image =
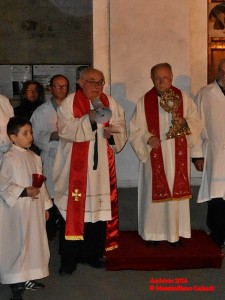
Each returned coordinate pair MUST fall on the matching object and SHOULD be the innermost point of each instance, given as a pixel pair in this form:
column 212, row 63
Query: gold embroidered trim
column 74, row 238
column 111, row 248
column 173, row 199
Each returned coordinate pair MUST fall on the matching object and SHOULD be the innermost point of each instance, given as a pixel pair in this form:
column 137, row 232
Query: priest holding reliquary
column 163, row 129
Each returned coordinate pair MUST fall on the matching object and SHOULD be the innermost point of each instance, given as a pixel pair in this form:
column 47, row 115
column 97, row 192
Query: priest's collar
column 54, row 104
column 20, row 148
column 221, row 87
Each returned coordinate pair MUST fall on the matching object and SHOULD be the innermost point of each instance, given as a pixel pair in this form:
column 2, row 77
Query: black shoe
column 98, row 264
column 222, row 246
column 33, row 285
column 152, row 243
column 66, row 272
column 17, row 290
column 218, row 241
column 176, row 244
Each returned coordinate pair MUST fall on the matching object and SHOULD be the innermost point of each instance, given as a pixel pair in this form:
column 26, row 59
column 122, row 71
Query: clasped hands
column 199, row 164
column 33, row 192
column 178, row 122
column 54, row 136
column 154, row 142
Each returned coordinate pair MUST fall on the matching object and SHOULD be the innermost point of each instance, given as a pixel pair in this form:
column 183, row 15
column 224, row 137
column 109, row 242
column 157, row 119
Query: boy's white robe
column 211, row 105
column 171, row 219
column 24, row 251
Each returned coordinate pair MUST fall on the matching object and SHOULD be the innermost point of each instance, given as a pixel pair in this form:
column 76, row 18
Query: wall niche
column 216, row 36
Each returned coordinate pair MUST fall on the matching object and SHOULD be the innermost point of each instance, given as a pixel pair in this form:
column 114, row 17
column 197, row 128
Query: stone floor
column 98, row 284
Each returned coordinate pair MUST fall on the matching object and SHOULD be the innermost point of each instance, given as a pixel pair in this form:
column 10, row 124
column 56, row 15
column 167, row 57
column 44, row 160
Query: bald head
column 91, row 82
column 162, row 77
column 85, row 73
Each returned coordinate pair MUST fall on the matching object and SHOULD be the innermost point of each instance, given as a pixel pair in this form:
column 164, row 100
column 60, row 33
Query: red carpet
column 134, row 254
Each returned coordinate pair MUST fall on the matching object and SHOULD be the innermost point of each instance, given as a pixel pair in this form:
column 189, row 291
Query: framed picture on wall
column 216, row 19
column 216, row 55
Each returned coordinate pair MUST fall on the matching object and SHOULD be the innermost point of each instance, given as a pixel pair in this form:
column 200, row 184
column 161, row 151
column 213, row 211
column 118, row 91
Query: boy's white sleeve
column 9, row 192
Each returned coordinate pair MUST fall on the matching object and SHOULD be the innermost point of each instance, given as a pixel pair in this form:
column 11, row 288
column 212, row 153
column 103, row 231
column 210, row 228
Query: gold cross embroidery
column 76, row 194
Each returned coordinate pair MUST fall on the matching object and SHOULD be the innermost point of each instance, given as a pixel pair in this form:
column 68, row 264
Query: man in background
column 210, row 153
column 45, row 132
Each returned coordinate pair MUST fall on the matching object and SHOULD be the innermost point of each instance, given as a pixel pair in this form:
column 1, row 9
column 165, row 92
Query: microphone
column 103, row 114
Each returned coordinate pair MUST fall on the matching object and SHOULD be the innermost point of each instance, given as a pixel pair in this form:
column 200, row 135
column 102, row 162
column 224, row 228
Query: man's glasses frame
column 96, row 83
column 58, row 86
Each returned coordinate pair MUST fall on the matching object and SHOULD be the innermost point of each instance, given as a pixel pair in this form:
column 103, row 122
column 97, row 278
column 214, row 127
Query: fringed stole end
column 172, row 199
column 111, row 248
column 74, row 237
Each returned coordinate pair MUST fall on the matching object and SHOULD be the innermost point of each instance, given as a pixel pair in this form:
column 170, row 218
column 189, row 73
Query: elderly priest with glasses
column 91, row 127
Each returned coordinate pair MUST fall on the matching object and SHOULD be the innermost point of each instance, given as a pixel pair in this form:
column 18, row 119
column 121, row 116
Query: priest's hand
column 92, row 115
column 154, row 142
column 33, row 192
column 107, row 132
column 199, row 164
column 54, row 136
column 179, row 122
column 46, row 215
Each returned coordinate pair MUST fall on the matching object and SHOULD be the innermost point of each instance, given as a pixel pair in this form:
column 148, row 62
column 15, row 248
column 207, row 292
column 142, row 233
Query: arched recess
column 216, row 36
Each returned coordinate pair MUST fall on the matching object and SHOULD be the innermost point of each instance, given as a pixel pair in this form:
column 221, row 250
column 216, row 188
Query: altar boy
column 24, row 251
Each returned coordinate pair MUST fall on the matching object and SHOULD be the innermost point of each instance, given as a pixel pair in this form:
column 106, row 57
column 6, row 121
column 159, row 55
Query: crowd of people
column 66, row 139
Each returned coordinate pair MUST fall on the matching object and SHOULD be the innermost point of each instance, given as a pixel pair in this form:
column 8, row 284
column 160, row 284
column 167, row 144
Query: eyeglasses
column 32, row 91
column 96, row 83
column 160, row 79
column 58, row 86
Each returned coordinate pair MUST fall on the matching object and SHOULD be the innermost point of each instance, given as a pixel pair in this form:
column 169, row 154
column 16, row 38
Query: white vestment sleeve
column 193, row 119
column 118, row 125
column 73, row 129
column 9, row 192
column 6, row 112
column 139, row 133
column 197, row 150
column 41, row 137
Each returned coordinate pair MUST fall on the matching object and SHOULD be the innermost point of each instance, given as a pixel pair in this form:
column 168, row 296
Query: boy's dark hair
column 15, row 123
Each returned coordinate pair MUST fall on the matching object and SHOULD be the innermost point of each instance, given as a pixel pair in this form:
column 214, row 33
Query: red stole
column 160, row 187
column 78, row 180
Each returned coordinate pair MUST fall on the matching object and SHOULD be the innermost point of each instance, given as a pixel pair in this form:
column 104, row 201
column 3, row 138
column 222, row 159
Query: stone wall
column 46, row 32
